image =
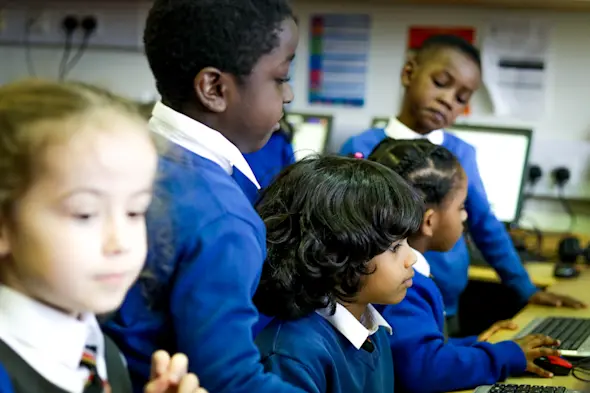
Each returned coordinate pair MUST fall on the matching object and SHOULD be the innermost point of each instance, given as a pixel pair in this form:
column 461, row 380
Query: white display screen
column 501, row 159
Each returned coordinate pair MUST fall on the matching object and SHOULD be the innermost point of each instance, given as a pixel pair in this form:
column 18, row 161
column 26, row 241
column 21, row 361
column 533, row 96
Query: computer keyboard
column 572, row 332
column 507, row 388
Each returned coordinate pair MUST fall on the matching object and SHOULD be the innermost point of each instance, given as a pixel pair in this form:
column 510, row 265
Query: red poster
column 418, row 34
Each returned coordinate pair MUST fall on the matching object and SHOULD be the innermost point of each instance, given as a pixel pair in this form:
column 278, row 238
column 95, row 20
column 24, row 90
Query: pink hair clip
column 358, row 155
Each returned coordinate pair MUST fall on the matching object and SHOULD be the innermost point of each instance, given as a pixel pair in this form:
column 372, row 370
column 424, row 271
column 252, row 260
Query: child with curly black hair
column 336, row 240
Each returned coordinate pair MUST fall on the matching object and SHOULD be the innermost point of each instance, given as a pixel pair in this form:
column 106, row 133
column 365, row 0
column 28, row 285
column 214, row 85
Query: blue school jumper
column 311, row 354
column 267, row 162
column 207, row 246
column 427, row 362
column 450, row 269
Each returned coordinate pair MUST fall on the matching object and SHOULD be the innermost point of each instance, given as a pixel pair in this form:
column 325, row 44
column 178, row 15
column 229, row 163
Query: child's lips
column 438, row 115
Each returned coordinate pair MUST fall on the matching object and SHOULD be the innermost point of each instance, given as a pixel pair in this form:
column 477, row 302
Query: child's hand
column 535, row 346
column 170, row 375
column 552, row 299
column 502, row 325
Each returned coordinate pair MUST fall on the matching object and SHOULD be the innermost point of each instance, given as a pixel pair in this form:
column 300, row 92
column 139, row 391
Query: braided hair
column 431, row 169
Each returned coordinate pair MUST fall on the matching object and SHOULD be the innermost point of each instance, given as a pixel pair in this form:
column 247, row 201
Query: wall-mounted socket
column 118, row 25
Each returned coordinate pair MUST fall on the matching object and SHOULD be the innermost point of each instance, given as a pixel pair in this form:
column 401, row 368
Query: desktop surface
column 578, row 288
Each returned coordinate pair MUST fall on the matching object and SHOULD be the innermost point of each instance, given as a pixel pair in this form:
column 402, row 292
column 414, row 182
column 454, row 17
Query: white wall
column 562, row 134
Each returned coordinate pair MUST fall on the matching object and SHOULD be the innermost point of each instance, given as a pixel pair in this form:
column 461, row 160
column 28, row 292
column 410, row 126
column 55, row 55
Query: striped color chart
column 339, row 53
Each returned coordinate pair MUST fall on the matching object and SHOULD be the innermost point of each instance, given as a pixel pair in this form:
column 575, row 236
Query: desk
column 541, row 274
column 579, row 288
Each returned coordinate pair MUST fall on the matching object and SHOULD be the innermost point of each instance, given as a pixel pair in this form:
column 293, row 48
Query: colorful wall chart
column 418, row 34
column 339, row 54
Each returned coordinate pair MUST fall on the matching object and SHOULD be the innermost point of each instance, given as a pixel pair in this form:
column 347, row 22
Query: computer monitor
column 311, row 133
column 502, row 156
column 380, row 122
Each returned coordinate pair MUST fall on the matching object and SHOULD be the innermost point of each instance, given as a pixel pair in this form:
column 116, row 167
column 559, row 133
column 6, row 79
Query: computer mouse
column 566, row 270
column 554, row 364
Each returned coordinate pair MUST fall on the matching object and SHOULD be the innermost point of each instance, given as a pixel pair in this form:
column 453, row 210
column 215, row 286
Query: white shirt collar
column 397, row 130
column 51, row 342
column 421, row 266
column 350, row 327
column 199, row 139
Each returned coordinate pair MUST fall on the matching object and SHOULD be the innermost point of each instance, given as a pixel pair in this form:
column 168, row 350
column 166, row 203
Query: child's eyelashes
column 395, row 247
column 83, row 216
column 284, row 80
column 137, row 214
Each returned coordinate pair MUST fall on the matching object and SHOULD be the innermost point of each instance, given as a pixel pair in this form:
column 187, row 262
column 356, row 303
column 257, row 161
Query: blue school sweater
column 450, row 269
column 425, row 362
column 311, row 354
column 207, row 246
column 267, row 162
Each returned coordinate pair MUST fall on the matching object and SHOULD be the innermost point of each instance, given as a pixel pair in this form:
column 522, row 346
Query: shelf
column 553, row 5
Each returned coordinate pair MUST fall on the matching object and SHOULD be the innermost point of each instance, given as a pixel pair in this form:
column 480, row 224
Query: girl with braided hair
column 439, row 363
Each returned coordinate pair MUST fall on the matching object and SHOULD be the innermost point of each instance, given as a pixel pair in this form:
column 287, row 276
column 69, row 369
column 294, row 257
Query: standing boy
column 221, row 68
column 439, row 82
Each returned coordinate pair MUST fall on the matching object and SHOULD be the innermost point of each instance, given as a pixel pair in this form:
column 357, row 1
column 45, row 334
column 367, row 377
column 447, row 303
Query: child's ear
column 408, row 72
column 429, row 223
column 211, row 89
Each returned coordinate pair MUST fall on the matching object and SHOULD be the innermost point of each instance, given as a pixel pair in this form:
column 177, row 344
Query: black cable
column 70, row 24
column 89, row 27
column 581, row 370
column 568, row 209
column 28, row 54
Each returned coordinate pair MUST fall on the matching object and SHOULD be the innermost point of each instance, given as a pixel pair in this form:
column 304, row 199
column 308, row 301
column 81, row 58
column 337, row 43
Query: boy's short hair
column 326, row 218
column 182, row 37
column 449, row 41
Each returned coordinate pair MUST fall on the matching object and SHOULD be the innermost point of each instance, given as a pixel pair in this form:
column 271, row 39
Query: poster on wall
column 339, row 56
column 514, row 62
column 418, row 34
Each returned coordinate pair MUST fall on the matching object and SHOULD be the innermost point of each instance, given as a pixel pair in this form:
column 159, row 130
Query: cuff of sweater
column 513, row 356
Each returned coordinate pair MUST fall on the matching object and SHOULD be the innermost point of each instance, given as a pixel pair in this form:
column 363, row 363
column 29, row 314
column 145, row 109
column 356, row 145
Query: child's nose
column 115, row 238
column 287, row 93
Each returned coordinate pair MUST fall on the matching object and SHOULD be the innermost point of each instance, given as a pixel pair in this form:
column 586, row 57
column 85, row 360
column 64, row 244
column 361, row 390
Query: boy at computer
column 439, row 82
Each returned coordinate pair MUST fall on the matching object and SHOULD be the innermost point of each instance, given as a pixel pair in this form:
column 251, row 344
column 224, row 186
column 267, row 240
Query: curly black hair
column 450, row 41
column 431, row 169
column 326, row 218
column 182, row 37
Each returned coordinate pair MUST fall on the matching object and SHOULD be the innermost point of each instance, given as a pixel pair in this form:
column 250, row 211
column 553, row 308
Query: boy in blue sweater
column 440, row 364
column 277, row 154
column 336, row 238
column 221, row 68
column 439, row 82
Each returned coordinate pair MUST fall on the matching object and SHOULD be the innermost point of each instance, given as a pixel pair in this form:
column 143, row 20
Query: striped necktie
column 94, row 384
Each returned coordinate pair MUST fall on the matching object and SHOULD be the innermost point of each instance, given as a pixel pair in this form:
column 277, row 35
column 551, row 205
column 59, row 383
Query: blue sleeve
column 212, row 310
column 348, row 147
column 424, row 363
column 491, row 236
column 463, row 341
column 297, row 373
column 5, row 384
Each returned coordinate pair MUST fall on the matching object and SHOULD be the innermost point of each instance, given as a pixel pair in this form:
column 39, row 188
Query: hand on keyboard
column 545, row 298
column 535, row 346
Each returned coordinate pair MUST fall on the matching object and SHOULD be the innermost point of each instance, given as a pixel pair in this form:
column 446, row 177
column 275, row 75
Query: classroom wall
column 562, row 133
